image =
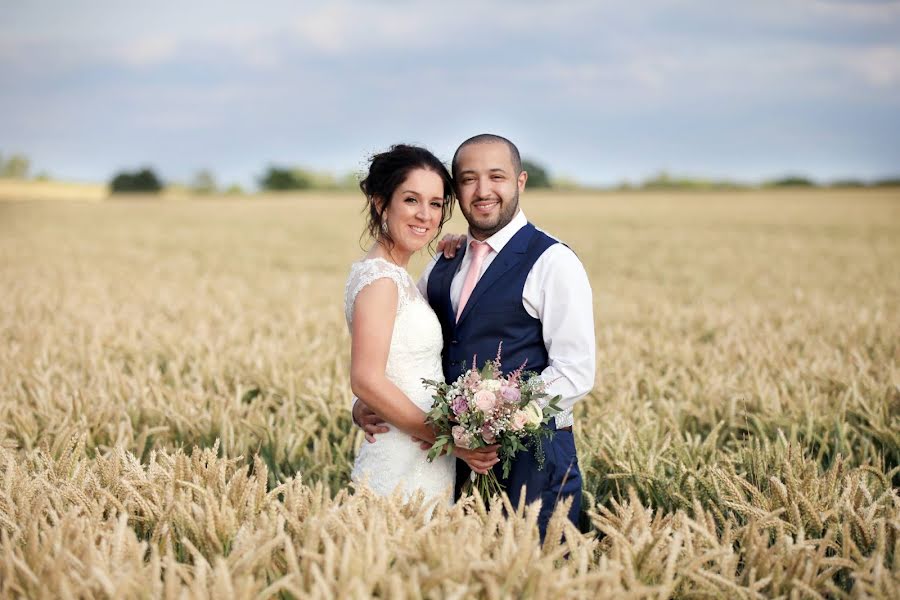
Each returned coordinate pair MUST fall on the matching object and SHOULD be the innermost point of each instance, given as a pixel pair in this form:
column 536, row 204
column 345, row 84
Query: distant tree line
column 280, row 178
column 277, row 178
column 145, row 180
column 18, row 166
column 664, row 181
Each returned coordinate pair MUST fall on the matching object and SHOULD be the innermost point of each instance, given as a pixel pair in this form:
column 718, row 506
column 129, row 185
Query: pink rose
column 518, row 421
column 461, row 437
column 459, row 405
column 485, row 401
column 510, row 393
column 488, row 434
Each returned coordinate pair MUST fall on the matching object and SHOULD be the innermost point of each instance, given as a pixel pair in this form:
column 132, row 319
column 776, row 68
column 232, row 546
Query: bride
column 396, row 337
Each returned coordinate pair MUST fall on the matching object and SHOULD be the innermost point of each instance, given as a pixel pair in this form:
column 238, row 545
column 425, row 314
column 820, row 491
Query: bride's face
column 414, row 213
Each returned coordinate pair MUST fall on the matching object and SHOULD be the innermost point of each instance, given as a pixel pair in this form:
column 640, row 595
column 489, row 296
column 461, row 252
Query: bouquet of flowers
column 484, row 407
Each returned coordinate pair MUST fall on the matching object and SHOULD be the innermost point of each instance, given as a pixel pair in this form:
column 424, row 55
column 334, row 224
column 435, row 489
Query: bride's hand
column 450, row 243
column 479, row 460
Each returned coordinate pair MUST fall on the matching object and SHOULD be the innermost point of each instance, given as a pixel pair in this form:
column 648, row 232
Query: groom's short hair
column 489, row 138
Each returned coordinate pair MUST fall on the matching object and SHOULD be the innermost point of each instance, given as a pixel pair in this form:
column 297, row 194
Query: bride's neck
column 392, row 254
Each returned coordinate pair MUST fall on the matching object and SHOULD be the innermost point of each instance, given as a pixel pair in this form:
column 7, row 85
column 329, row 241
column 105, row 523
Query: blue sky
column 597, row 91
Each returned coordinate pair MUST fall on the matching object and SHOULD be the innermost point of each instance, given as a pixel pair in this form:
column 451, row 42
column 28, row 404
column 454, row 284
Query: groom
column 515, row 284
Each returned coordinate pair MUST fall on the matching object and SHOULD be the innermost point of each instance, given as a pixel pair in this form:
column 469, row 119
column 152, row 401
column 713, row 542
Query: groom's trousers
column 560, row 477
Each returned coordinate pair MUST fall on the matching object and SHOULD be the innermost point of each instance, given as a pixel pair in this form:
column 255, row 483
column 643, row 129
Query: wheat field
column 174, row 401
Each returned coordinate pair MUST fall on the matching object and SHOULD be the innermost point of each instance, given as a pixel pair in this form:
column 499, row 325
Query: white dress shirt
column 558, row 293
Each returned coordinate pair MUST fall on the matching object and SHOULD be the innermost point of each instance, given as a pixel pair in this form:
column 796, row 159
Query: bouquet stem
column 487, row 485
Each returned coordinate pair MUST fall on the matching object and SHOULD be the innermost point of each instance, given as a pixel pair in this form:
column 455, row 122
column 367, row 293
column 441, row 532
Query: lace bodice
column 394, row 460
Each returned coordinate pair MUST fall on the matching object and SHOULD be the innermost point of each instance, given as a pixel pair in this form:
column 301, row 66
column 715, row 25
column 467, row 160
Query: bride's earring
column 384, row 227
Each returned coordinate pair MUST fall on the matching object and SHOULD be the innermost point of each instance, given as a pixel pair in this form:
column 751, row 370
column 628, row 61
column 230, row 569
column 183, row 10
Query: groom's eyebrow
column 473, row 172
column 493, row 170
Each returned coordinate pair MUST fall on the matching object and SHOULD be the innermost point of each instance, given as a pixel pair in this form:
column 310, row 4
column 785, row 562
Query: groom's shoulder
column 558, row 252
column 546, row 234
column 553, row 241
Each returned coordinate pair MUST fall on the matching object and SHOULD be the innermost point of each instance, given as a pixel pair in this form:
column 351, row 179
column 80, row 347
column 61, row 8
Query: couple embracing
column 509, row 283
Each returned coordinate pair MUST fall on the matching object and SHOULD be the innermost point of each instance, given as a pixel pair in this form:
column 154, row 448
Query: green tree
column 791, row 181
column 349, row 181
column 15, row 167
column 280, row 179
column 537, row 175
column 144, row 180
column 204, row 182
column 848, row 183
column 664, row 181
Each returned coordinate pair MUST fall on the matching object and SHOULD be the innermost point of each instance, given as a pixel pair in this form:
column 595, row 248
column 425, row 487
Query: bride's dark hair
column 389, row 169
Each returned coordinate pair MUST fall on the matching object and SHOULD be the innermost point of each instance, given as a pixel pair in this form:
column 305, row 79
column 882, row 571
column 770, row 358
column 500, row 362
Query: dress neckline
column 406, row 274
column 384, row 260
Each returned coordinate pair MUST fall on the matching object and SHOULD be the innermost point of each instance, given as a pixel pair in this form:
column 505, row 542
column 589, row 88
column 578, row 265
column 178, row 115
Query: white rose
column 534, row 413
column 491, row 385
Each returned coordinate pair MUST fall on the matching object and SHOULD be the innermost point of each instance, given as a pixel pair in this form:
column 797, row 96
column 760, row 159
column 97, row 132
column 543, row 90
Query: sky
column 600, row 92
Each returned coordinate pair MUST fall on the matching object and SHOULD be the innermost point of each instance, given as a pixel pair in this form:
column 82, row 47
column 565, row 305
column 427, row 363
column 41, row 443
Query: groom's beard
column 508, row 210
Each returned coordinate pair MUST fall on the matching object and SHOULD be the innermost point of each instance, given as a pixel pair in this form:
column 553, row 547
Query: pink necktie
column 479, row 251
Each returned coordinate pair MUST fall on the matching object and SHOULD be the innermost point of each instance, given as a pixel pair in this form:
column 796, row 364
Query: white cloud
column 878, row 66
column 870, row 12
column 148, row 50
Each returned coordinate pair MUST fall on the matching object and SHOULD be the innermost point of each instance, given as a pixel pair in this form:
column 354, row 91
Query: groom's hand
column 450, row 243
column 480, row 460
column 370, row 423
column 423, row 444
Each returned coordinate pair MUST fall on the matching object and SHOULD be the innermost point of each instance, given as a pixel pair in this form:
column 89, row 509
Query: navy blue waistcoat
column 494, row 312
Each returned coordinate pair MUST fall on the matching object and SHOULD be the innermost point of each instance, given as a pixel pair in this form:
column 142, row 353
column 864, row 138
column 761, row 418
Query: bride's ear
column 378, row 203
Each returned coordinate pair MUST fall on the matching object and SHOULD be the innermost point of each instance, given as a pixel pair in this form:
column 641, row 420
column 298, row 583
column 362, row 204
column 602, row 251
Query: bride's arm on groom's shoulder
column 450, row 243
column 372, row 326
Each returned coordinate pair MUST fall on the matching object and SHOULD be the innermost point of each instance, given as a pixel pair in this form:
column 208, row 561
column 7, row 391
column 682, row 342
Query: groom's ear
column 523, row 177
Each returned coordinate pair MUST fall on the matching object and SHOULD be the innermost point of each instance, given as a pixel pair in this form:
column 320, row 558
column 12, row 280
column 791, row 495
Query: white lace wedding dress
column 395, row 460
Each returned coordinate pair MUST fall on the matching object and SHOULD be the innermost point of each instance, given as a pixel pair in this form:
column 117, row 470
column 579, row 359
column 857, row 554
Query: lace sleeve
column 368, row 271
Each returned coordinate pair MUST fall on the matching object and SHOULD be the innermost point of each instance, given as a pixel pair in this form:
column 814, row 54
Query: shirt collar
column 502, row 237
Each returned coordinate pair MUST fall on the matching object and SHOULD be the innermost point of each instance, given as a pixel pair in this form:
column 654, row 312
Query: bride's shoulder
column 368, row 270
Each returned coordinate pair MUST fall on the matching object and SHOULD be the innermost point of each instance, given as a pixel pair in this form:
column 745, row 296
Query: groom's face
column 488, row 187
